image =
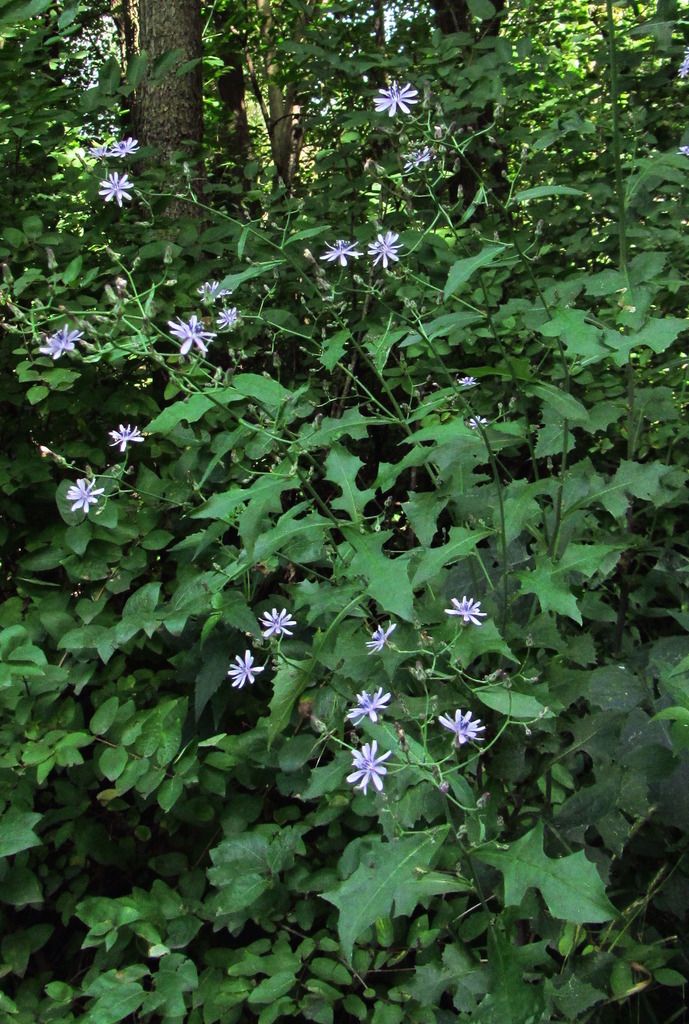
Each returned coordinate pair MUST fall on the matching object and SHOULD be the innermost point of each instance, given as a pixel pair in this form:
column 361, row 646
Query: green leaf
column 427, row 562
column 279, row 984
column 512, row 703
column 341, row 467
column 322, row 434
column 241, row 870
column 190, row 409
column 657, row 334
column 37, row 394
column 232, row 281
column 224, row 506
column 564, row 404
column 136, row 69
column 112, row 762
column 289, row 683
column 328, row 778
column 543, row 191
column 21, row 10
column 461, row 270
column 119, row 1001
column 580, row 338
column 385, row 883
column 571, row 886
column 143, row 602
column 550, row 581
column 104, row 716
column 333, row 348
column 482, row 9
column 264, row 389
column 422, row 511
column 387, row 578
column 17, row 831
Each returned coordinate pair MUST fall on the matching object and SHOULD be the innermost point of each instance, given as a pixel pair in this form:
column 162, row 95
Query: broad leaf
column 571, row 886
column 385, row 884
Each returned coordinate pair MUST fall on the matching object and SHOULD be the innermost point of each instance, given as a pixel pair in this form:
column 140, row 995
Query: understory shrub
column 345, row 673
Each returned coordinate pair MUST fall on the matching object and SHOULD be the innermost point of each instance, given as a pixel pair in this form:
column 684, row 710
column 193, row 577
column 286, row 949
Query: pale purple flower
column 191, row 333
column 211, row 290
column 60, row 342
column 340, row 251
column 124, row 436
column 384, row 248
column 275, row 623
column 99, row 151
column 463, row 727
column 83, row 493
column 683, row 70
column 369, row 768
column 477, row 421
column 684, row 150
column 227, row 318
column 467, row 382
column 369, row 704
column 116, row 186
column 468, row 609
column 417, row 158
column 395, row 98
column 243, row 670
column 124, row 147
column 380, row 637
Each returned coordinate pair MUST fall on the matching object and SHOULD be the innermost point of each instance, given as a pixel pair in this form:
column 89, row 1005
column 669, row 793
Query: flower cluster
column 368, row 706
column 477, row 421
column 227, row 318
column 384, row 249
column 368, row 767
column 683, row 71
column 275, row 623
column 244, row 670
column 380, row 637
column 118, row 149
column 397, row 97
column 417, row 158
column 191, row 333
column 60, row 342
column 124, row 436
column 468, row 609
column 463, row 727
column 83, row 494
column 115, row 187
column 211, row 290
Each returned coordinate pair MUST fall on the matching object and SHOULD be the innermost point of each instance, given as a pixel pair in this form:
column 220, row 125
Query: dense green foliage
column 175, row 849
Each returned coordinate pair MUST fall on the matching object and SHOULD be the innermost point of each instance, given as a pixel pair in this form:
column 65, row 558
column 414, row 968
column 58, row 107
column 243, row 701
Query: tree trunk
column 233, row 132
column 166, row 113
column 281, row 112
column 454, row 16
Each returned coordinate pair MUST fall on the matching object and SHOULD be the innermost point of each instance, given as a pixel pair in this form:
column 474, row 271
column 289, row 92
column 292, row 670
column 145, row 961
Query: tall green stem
column 616, row 146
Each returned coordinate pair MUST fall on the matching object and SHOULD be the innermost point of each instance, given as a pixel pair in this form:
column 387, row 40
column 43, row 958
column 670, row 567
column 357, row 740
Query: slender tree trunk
column 233, row 134
column 284, row 129
column 279, row 107
column 454, row 16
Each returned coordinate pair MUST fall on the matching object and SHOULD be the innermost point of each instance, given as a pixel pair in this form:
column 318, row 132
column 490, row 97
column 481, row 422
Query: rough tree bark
column 167, row 113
